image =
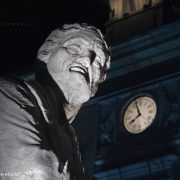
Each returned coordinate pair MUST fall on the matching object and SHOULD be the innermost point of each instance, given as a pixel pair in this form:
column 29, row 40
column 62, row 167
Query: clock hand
column 139, row 113
column 138, row 110
column 130, row 122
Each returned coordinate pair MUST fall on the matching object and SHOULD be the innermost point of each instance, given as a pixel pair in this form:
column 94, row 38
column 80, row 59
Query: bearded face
column 76, row 67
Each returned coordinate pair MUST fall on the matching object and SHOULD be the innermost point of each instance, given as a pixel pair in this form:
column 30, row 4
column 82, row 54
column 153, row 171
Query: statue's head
column 77, row 58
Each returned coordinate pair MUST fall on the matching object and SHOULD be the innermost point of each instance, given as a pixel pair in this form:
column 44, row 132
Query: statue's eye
column 97, row 62
column 73, row 49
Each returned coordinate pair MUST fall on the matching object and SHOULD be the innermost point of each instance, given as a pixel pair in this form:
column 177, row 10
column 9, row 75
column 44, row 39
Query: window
column 121, row 8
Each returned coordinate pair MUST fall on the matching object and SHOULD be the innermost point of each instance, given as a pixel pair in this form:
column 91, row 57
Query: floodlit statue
column 37, row 140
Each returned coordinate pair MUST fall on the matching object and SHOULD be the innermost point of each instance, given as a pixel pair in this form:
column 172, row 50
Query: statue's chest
column 44, row 165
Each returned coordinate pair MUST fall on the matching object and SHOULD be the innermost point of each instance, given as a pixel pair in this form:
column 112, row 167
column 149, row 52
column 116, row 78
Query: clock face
column 139, row 114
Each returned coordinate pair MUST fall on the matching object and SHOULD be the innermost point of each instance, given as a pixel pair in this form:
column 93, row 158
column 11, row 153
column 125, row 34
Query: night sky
column 25, row 24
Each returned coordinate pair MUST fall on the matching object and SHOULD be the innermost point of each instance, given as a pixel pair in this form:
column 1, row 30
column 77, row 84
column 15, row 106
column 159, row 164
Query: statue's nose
column 86, row 58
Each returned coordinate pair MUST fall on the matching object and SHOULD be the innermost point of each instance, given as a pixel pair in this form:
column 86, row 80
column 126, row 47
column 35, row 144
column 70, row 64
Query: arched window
column 121, row 8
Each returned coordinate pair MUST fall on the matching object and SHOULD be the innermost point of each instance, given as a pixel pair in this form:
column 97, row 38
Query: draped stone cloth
column 36, row 141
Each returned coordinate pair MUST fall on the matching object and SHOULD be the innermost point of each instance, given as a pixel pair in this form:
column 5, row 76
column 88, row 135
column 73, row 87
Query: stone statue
column 37, row 140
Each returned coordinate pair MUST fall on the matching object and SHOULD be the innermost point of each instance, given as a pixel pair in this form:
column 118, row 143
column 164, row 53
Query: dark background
column 145, row 59
column 24, row 25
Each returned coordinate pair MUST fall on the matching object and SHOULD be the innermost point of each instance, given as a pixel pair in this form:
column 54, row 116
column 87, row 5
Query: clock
column 139, row 114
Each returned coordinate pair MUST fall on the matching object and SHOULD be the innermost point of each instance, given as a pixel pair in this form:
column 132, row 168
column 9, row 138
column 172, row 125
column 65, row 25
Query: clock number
column 128, row 118
column 145, row 122
column 140, row 103
column 134, row 126
column 149, row 106
column 139, row 126
column 151, row 111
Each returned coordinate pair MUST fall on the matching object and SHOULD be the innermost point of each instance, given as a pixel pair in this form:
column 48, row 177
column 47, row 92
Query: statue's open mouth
column 82, row 70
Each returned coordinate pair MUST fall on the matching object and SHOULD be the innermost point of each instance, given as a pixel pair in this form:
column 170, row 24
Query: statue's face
column 76, row 67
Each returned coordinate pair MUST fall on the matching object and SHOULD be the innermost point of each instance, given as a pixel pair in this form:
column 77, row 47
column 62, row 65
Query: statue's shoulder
column 15, row 89
column 10, row 81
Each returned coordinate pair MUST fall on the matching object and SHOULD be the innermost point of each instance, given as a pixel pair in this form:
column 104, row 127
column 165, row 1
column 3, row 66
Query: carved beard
column 76, row 91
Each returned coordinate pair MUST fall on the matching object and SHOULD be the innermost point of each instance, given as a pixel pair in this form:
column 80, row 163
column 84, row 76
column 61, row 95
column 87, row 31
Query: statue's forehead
column 77, row 39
